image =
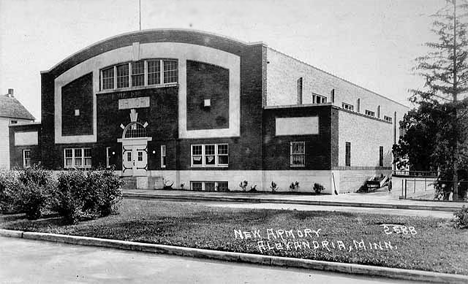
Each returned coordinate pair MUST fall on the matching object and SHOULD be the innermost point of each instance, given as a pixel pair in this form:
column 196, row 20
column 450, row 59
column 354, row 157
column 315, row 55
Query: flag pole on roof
column 139, row 13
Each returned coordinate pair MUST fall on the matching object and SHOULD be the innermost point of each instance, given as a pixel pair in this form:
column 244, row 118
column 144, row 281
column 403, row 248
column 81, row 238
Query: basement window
column 370, row 113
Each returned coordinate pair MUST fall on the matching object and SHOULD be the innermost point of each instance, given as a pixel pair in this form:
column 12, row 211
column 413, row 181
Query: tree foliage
column 436, row 130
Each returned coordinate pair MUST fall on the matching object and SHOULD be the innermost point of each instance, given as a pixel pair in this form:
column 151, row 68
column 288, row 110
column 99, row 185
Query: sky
column 372, row 43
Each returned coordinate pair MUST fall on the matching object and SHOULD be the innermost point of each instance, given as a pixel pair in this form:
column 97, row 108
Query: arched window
column 134, row 130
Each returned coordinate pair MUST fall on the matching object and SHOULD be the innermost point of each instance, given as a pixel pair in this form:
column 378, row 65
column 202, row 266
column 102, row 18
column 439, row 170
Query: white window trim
column 24, row 158
column 203, row 156
column 369, row 113
column 83, row 159
column 315, row 97
column 291, row 154
column 347, row 106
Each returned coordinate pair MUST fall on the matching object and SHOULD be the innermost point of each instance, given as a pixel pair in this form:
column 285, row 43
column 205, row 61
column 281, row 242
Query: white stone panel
column 26, row 138
column 297, row 125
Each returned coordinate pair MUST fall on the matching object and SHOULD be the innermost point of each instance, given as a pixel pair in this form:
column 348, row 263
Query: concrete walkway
column 378, row 199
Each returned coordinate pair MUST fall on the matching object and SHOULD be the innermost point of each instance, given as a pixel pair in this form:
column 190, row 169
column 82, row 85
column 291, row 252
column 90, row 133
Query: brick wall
column 276, row 149
column 78, row 96
column 16, row 152
column 206, row 81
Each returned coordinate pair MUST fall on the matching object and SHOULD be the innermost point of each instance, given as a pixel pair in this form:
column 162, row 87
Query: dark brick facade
column 318, row 148
column 78, row 96
column 206, row 81
column 16, row 152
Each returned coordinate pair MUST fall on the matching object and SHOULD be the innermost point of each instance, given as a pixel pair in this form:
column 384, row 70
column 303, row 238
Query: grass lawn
column 393, row 241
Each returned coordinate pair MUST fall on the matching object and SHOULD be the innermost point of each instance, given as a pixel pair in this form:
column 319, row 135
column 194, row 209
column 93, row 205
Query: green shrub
column 69, row 197
column 87, row 195
column 29, row 190
column 104, row 192
column 318, row 188
column 31, row 198
column 461, row 218
column 8, row 185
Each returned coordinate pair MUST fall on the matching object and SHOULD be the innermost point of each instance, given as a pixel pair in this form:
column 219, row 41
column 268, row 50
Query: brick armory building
column 206, row 112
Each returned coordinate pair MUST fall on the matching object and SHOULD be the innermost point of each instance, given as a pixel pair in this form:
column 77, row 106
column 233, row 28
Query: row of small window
column 139, row 73
column 367, row 112
column 209, row 186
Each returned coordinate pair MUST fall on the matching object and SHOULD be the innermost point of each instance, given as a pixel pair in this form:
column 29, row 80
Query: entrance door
column 134, row 157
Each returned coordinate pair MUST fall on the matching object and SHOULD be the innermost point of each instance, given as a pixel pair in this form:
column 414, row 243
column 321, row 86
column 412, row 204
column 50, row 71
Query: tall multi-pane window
column 348, row 154
column 154, row 72
column 197, row 155
column 297, row 154
column 223, row 154
column 26, row 158
column 163, row 156
column 77, row 158
column 138, row 73
column 122, row 76
column 170, row 71
column 108, row 78
column 210, row 155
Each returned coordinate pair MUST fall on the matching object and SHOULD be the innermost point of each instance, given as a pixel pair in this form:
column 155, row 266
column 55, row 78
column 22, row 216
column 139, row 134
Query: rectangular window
column 222, row 186
column 370, row 113
column 154, row 72
column 348, row 154
column 318, row 99
column 26, row 158
column 212, row 155
column 381, row 156
column 197, row 186
column 68, row 158
column 388, row 118
column 223, row 154
column 108, row 78
column 77, row 158
column 347, row 106
column 197, row 155
column 138, row 73
column 108, row 155
column 122, row 76
column 140, row 156
column 210, row 186
column 170, row 71
column 163, row 156
column 297, row 150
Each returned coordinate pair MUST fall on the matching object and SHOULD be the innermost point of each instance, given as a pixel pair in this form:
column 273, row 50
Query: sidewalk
column 378, row 199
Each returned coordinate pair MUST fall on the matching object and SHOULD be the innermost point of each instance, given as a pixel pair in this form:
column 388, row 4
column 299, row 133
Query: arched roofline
column 151, row 35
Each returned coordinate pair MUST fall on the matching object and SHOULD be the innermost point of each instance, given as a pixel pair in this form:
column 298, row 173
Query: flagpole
column 139, row 13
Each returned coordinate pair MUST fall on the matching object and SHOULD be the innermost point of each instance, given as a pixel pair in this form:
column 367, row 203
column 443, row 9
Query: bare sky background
column 371, row 43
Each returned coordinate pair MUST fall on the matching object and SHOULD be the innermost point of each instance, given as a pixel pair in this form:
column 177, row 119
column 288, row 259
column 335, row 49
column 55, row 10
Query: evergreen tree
column 436, row 131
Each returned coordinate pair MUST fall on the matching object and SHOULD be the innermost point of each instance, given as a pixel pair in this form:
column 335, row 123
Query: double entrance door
column 134, row 157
